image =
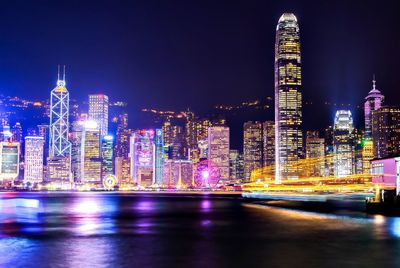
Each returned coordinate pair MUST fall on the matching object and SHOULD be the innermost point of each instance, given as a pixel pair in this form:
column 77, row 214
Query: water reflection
column 394, row 226
column 111, row 229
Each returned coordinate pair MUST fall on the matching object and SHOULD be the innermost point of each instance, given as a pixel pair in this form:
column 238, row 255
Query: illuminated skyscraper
column 98, row 111
column 315, row 152
column 190, row 130
column 386, row 131
column 159, row 156
column 218, row 150
column 90, row 155
column 107, row 156
column 142, row 153
column 122, row 172
column 33, row 160
column 177, row 174
column 9, row 162
column 288, row 100
column 59, row 120
column 268, row 143
column 174, row 138
column 367, row 155
column 373, row 102
column 123, row 136
column 252, row 147
column 236, row 165
column 76, row 148
column 343, row 144
column 59, row 161
column 17, row 132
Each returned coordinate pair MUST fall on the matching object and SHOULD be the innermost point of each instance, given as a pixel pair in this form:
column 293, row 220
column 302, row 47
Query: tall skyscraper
column 373, row 102
column 123, row 136
column 98, row 111
column 91, row 155
column 159, row 156
column 76, row 149
column 174, row 138
column 16, row 131
column 59, row 120
column 9, row 162
column 33, row 164
column 107, row 167
column 142, row 155
column 236, row 166
column 343, row 144
column 386, row 131
column 218, row 150
column 122, row 172
column 288, row 99
column 252, row 147
column 315, row 153
column 122, row 159
column 59, row 161
column 268, row 143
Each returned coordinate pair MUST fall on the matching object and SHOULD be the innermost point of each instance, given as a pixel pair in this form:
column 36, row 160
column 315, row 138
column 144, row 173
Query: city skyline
column 91, row 147
column 195, row 134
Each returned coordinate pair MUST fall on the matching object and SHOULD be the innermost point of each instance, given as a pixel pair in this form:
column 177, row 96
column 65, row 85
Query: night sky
column 179, row 54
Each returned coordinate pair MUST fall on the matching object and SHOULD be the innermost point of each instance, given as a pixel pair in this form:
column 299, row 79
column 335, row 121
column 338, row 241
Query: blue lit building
column 159, row 156
column 107, row 156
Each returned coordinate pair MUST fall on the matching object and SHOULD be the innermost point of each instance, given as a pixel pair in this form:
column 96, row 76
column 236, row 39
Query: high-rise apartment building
column 288, row 98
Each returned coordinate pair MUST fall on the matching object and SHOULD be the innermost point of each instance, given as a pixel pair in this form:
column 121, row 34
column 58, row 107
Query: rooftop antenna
column 58, row 73
column 64, row 74
column 373, row 82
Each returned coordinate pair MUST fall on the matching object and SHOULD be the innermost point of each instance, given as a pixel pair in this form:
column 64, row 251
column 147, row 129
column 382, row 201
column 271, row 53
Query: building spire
column 61, row 82
column 373, row 83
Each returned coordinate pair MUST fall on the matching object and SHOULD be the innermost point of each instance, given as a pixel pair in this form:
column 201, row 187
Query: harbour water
column 186, row 230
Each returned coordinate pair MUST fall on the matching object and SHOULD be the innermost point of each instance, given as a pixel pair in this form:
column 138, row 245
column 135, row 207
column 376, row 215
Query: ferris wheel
column 207, row 174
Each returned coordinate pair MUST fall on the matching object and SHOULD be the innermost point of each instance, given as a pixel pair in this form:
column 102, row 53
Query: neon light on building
column 373, row 102
column 142, row 153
